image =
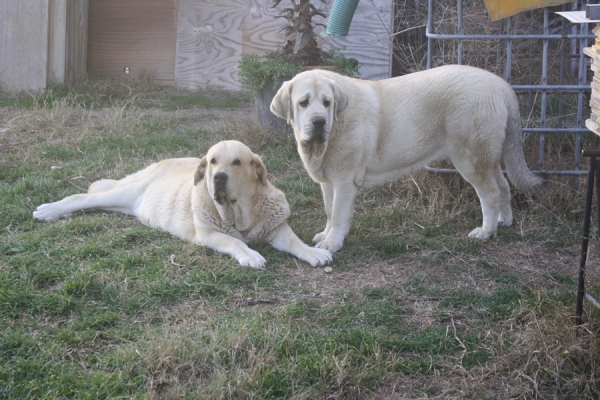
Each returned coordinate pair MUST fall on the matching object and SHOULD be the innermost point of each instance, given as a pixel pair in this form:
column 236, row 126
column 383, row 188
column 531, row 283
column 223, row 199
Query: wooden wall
column 212, row 36
column 139, row 34
column 190, row 43
column 77, row 12
column 23, row 44
column 57, row 39
column 42, row 42
column 67, row 41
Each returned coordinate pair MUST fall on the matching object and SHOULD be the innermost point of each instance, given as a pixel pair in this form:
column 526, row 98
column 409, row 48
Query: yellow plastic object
column 499, row 9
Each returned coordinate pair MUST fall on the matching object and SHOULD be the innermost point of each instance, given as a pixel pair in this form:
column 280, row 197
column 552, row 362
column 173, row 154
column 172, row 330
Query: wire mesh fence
column 538, row 52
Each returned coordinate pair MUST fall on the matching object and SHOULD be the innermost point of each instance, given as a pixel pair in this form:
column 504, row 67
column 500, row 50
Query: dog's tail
column 514, row 159
column 102, row 185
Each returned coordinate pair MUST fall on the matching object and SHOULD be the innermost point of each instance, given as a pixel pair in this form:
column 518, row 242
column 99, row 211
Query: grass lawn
column 99, row 306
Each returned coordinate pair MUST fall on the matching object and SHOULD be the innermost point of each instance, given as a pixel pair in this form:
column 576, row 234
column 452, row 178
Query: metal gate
column 551, row 84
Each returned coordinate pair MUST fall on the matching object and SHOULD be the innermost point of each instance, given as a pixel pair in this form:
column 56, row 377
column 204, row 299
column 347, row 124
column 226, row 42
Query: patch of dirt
column 530, row 262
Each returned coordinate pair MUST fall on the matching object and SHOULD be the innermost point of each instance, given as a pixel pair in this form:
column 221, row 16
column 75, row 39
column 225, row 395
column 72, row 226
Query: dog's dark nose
column 220, row 178
column 319, row 122
column 220, row 186
column 318, row 129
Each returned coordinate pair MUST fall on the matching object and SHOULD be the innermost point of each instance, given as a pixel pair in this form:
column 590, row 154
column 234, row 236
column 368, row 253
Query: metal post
column 593, row 173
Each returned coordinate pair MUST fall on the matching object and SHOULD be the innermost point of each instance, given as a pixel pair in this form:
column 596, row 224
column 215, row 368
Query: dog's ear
column 259, row 169
column 281, row 105
column 200, row 171
column 340, row 98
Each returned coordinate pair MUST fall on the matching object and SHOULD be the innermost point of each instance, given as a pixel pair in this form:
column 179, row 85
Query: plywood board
column 209, row 38
column 213, row 35
column 138, row 34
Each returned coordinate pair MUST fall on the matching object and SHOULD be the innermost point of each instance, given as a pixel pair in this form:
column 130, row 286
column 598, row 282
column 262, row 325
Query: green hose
column 340, row 17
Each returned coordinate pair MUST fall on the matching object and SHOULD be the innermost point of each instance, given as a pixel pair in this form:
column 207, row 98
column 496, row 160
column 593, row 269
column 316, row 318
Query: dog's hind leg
column 124, row 199
column 490, row 195
column 505, row 217
column 102, row 185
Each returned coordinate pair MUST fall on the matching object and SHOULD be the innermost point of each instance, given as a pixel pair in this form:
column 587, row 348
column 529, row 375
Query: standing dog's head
column 310, row 103
column 232, row 172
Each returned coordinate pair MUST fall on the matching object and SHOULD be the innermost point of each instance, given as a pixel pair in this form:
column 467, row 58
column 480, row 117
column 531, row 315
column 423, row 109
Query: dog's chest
column 313, row 165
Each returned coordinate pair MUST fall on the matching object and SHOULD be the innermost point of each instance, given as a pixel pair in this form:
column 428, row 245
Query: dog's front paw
column 47, row 212
column 479, row 233
column 318, row 257
column 252, row 259
column 504, row 221
column 331, row 245
column 319, row 237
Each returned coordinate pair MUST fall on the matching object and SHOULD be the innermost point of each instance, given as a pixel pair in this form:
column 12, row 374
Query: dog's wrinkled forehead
column 319, row 87
column 228, row 152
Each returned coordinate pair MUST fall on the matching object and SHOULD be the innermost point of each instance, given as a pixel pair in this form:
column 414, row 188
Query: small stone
column 328, row 270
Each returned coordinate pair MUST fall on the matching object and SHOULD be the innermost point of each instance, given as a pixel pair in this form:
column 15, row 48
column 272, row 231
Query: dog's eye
column 213, row 161
column 304, row 103
column 236, row 162
column 326, row 103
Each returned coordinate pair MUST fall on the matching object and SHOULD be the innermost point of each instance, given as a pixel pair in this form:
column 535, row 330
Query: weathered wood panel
column 4, row 58
column 76, row 40
column 209, row 38
column 57, row 40
column 24, row 44
column 67, row 41
column 213, row 35
column 139, row 34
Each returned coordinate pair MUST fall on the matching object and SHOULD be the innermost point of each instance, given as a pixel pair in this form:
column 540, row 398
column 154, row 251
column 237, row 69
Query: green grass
column 99, row 306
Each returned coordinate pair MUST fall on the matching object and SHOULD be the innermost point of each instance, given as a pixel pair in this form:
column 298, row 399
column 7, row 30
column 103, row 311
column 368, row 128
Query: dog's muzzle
column 220, row 186
column 317, row 129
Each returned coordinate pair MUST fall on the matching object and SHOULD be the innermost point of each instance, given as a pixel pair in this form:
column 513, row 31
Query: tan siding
column 139, row 34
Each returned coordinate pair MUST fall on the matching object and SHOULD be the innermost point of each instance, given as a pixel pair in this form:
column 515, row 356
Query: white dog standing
column 354, row 133
column 221, row 201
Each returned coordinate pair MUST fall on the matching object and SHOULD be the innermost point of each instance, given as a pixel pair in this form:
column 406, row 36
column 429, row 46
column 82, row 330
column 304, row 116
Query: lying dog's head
column 232, row 172
column 310, row 102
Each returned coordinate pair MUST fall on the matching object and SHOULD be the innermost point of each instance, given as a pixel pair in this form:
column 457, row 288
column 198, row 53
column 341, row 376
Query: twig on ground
column 252, row 302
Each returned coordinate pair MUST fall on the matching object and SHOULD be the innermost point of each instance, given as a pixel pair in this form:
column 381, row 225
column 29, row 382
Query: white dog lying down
column 221, row 201
column 354, row 133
